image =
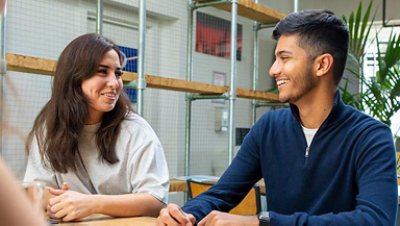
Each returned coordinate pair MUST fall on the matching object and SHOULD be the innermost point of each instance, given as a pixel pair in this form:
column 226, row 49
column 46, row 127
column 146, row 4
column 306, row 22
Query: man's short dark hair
column 319, row 32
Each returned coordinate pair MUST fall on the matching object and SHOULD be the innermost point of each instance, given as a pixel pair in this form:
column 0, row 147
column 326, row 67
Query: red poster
column 213, row 36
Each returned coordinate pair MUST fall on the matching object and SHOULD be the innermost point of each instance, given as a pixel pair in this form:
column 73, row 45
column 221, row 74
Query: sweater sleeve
column 36, row 170
column 234, row 184
column 376, row 202
column 147, row 163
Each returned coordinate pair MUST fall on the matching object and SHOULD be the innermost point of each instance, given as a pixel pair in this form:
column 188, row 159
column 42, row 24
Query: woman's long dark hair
column 60, row 122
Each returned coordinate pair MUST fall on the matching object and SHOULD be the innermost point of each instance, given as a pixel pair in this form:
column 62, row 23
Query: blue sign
column 131, row 66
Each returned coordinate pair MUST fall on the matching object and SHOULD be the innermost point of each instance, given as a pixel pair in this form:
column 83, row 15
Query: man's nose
column 274, row 70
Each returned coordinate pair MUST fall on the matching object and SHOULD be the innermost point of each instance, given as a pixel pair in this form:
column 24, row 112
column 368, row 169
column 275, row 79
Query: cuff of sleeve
column 277, row 219
column 189, row 210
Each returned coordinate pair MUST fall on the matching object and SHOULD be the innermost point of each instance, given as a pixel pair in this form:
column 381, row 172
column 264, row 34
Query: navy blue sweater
column 348, row 178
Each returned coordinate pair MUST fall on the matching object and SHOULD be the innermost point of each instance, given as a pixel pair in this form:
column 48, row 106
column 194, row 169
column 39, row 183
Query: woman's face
column 102, row 89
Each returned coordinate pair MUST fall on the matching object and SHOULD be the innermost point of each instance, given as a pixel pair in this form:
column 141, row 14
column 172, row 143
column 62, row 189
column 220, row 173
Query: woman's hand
column 70, row 205
column 47, row 195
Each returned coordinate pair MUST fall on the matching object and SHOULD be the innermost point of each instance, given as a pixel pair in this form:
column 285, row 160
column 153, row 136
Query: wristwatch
column 263, row 218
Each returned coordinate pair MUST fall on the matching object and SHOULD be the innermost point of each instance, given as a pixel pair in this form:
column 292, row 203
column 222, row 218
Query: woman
column 88, row 144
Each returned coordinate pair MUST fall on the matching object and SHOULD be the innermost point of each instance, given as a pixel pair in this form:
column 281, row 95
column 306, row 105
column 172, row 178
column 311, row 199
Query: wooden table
column 137, row 221
column 176, row 185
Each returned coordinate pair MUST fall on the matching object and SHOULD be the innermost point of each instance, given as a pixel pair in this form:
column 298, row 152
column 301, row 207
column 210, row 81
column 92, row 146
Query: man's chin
column 283, row 99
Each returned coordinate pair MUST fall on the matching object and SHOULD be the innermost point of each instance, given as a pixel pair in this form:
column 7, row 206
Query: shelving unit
column 252, row 10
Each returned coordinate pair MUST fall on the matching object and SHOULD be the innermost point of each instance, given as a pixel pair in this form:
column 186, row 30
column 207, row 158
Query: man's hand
column 221, row 218
column 173, row 215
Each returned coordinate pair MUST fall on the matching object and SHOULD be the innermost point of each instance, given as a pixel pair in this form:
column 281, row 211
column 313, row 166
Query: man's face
column 292, row 70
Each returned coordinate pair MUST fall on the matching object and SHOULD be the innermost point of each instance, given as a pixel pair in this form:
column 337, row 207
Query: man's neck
column 315, row 109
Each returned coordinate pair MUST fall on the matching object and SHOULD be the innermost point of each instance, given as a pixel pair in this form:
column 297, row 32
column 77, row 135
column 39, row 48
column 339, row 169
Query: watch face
column 263, row 216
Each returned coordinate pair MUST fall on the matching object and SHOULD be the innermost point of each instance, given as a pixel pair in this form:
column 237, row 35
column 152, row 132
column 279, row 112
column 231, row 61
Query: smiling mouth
column 110, row 95
column 281, row 82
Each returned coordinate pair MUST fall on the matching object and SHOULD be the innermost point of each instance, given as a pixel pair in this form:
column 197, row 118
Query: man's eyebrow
column 282, row 52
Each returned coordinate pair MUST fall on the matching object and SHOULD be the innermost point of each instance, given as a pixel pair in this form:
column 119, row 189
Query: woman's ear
column 323, row 64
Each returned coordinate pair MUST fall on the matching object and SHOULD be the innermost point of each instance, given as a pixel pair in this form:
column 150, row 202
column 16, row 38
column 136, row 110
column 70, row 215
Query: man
column 323, row 162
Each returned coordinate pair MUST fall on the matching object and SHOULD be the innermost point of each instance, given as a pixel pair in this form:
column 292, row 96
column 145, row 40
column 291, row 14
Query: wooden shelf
column 36, row 65
column 22, row 63
column 251, row 10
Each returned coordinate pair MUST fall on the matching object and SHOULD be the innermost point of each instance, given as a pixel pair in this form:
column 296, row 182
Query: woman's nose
column 113, row 80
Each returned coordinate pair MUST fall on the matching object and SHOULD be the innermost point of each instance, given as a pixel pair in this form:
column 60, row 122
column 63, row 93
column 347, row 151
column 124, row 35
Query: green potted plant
column 380, row 95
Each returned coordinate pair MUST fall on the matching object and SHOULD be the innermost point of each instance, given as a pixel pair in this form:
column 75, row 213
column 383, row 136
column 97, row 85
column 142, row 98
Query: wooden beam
column 255, row 94
column 251, row 10
column 21, row 63
column 159, row 82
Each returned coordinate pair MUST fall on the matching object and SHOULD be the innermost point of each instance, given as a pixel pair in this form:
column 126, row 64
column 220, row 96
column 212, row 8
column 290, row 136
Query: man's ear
column 323, row 64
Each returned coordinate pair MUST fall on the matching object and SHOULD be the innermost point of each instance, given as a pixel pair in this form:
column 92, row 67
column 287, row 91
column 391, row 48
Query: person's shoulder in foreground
column 16, row 209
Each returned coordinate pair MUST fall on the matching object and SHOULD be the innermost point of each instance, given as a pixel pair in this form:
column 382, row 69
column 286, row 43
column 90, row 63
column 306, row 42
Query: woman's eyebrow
column 105, row 66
